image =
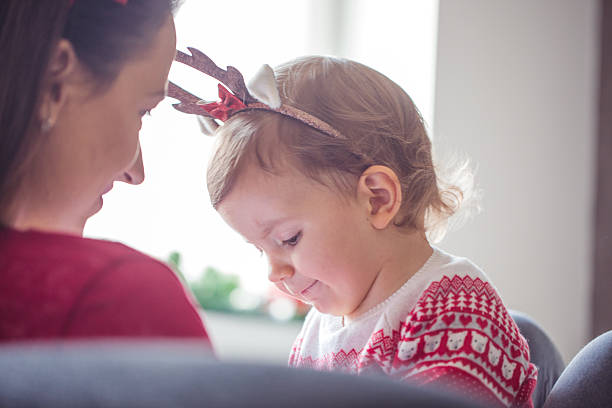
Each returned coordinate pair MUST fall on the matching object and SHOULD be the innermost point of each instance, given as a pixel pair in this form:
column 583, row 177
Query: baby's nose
column 277, row 271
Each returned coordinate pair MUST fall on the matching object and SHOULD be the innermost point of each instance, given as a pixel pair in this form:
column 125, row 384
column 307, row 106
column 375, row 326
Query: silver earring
column 46, row 125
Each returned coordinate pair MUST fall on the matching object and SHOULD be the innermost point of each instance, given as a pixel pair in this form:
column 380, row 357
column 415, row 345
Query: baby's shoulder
column 457, row 295
column 446, row 284
column 443, row 276
column 447, row 265
column 450, row 275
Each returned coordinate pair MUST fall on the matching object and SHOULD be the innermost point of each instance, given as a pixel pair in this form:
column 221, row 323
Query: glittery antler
column 230, row 77
column 188, row 101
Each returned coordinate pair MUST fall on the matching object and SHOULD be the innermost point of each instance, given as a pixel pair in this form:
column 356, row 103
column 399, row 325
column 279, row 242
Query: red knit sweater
column 56, row 286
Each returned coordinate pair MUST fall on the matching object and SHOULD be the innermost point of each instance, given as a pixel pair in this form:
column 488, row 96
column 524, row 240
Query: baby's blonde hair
column 381, row 125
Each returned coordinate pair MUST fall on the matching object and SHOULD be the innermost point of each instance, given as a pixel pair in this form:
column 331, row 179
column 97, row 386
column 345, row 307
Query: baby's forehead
column 270, row 166
column 255, row 180
column 258, row 197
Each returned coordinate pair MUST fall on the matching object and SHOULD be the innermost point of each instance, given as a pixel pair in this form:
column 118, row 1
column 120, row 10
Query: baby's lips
column 305, row 291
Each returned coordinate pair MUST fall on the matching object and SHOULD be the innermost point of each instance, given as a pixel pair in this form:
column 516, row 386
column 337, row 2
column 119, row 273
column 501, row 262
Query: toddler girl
column 326, row 167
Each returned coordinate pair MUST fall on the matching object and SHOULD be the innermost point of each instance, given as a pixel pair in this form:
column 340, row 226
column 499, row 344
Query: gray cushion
column 543, row 354
column 587, row 380
column 183, row 375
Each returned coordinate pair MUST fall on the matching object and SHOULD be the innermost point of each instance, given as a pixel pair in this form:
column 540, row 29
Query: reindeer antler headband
column 260, row 94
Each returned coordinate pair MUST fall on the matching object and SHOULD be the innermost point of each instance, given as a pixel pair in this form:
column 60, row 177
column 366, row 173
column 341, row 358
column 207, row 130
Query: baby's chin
column 326, row 309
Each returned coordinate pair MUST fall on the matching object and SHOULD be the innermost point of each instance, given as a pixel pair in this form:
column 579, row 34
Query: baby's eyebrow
column 268, row 226
column 267, row 230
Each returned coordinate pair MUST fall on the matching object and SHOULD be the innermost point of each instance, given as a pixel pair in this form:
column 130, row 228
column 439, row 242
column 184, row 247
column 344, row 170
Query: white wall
column 516, row 91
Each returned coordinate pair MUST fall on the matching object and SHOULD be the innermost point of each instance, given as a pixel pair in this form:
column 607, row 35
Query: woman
column 78, row 77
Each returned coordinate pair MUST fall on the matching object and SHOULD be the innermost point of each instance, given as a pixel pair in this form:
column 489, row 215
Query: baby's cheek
column 319, row 262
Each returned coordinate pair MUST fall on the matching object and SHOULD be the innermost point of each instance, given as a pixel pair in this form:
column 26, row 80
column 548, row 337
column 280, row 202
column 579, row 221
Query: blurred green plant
column 174, row 260
column 213, row 291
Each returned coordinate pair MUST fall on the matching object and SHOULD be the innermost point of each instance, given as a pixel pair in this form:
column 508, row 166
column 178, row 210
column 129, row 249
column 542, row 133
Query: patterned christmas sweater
column 445, row 326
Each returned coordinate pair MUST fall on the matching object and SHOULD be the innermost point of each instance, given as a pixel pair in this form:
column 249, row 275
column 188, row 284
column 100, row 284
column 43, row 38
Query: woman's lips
column 108, row 188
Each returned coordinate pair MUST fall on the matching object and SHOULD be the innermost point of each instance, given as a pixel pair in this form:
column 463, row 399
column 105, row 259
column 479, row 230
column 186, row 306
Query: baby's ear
column 381, row 192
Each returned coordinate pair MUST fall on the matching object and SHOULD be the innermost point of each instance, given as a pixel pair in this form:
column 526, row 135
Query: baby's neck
column 402, row 255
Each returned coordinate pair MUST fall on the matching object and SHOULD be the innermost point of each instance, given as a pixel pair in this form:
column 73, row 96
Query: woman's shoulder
column 82, row 265
column 51, row 264
column 65, row 250
column 89, row 287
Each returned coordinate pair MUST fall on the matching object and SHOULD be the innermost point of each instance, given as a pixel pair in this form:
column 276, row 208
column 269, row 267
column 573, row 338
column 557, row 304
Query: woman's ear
column 62, row 66
column 381, row 192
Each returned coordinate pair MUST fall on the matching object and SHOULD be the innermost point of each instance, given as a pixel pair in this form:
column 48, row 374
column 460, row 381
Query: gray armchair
column 587, row 380
column 178, row 374
column 184, row 375
column 544, row 354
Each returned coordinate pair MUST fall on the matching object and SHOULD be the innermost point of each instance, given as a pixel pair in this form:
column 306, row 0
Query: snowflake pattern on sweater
column 445, row 325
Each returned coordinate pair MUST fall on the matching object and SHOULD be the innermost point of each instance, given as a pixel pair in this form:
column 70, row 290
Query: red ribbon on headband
column 226, row 107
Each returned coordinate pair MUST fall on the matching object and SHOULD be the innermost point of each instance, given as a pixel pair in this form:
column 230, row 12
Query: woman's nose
column 277, row 271
column 135, row 174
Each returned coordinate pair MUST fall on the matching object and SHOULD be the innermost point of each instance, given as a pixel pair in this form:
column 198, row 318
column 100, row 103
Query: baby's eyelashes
column 289, row 242
column 293, row 241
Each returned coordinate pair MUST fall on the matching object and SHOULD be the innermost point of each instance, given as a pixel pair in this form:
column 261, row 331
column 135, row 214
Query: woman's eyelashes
column 152, row 104
column 293, row 241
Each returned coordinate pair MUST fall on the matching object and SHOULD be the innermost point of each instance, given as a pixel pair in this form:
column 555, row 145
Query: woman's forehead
column 149, row 71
